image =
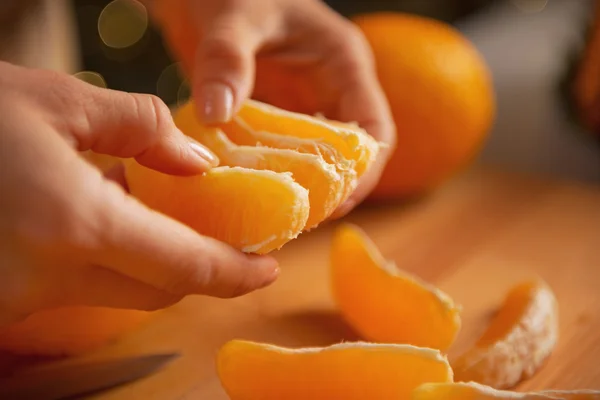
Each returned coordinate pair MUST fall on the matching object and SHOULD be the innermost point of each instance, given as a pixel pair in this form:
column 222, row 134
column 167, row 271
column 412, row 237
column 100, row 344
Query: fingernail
column 204, row 153
column 216, row 103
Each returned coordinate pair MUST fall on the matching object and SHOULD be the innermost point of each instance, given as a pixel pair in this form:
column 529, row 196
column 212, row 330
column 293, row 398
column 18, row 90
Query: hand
column 298, row 55
column 68, row 235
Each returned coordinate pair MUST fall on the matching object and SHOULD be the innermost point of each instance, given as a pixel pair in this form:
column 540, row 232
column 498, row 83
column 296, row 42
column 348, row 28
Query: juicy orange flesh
column 253, row 371
column 514, row 307
column 254, row 211
column 343, row 137
column 325, row 186
column 385, row 306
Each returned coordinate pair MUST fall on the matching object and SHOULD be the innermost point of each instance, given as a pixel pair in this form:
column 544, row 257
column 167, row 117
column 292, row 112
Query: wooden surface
column 474, row 238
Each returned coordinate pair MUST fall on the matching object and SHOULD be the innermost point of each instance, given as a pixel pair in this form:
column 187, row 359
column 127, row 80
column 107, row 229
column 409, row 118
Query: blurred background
column 533, row 48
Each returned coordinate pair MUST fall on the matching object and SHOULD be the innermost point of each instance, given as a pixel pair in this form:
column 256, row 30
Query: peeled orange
column 518, row 340
column 347, row 371
column 441, row 95
column 383, row 303
column 255, row 211
column 282, row 173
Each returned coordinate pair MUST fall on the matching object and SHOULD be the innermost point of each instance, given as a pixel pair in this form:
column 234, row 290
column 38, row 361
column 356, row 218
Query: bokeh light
column 91, row 77
column 168, row 83
column 122, row 23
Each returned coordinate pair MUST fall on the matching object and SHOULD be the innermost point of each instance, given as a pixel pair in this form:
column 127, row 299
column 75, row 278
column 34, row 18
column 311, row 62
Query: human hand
column 69, row 235
column 298, row 55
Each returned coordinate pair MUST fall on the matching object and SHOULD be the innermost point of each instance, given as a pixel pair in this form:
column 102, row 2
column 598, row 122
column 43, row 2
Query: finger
column 362, row 100
column 97, row 286
column 225, row 64
column 126, row 125
column 159, row 251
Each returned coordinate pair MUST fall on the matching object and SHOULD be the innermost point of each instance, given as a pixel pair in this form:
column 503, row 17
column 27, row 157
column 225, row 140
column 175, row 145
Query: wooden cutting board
column 475, row 238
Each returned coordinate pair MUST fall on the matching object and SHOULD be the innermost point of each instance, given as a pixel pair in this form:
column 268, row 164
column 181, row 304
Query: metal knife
column 72, row 381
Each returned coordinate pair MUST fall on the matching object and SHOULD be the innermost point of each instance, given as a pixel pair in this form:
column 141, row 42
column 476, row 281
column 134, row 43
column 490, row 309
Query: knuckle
column 353, row 47
column 193, row 278
column 153, row 111
column 221, row 48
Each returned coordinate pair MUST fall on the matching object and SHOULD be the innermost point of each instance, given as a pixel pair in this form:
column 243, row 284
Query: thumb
column 224, row 69
column 126, row 125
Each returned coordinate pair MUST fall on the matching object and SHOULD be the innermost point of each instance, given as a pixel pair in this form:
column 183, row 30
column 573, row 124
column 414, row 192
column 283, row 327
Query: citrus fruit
column 517, row 341
column 322, row 180
column 475, row 391
column 253, row 371
column 255, row 211
column 383, row 303
column 282, row 173
column 348, row 139
column 441, row 96
column 68, row 331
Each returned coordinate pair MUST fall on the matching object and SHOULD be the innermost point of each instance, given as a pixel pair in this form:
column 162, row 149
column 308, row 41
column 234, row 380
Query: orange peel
column 348, row 371
column 383, row 303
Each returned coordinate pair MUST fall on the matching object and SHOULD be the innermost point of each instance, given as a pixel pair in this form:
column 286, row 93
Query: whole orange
column 441, row 95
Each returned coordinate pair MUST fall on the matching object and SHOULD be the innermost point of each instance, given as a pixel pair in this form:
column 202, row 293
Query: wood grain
column 474, row 238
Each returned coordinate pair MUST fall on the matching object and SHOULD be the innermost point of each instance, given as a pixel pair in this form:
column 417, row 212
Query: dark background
column 139, row 68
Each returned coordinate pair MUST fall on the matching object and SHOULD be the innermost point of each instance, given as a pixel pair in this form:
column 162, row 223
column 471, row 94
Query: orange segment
column 242, row 134
column 348, row 371
column 350, row 140
column 254, row 211
column 325, row 185
column 383, row 303
column 472, row 391
column 518, row 340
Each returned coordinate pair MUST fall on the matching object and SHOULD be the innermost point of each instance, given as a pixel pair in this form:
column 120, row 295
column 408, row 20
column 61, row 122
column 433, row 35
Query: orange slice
column 241, row 133
column 325, row 186
column 350, row 140
column 254, row 211
column 475, row 391
column 348, row 371
column 518, row 340
column 383, row 303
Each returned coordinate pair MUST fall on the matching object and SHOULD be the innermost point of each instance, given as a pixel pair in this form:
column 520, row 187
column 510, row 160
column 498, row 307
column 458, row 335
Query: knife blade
column 73, row 380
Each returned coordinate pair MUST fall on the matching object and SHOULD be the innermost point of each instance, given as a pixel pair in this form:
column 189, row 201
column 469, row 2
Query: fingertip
column 204, row 154
column 344, row 209
column 215, row 102
column 268, row 266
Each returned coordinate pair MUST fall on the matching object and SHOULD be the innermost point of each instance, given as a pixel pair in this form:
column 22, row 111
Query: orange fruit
column 325, row 186
column 255, row 211
column 347, row 371
column 348, row 139
column 441, row 96
column 68, row 331
column 282, row 173
column 475, row 391
column 383, row 303
column 518, row 340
